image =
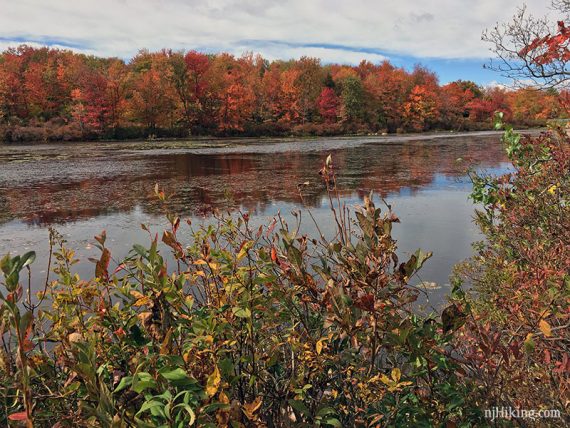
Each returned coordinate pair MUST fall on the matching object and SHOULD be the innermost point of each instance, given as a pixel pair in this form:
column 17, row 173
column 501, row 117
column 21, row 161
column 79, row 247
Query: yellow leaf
column 223, row 398
column 213, row 382
column 396, row 374
column 319, row 347
column 143, row 301
column 145, row 317
column 545, row 328
column 200, row 262
column 137, row 294
column 386, row 380
column 250, row 409
column 189, row 301
column 244, row 249
column 241, row 254
column 552, row 189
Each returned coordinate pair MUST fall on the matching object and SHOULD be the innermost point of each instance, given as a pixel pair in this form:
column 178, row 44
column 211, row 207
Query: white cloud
column 431, row 28
column 494, row 84
column 4, row 45
column 273, row 51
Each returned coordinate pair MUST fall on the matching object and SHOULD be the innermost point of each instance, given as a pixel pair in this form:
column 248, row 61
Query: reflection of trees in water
column 253, row 181
column 5, row 213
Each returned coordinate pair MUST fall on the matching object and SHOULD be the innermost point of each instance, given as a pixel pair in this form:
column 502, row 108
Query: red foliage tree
column 197, row 65
column 328, row 104
column 90, row 104
column 454, row 98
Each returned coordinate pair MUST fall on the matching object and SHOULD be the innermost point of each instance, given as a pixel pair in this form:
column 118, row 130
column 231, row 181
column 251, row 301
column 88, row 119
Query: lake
column 83, row 188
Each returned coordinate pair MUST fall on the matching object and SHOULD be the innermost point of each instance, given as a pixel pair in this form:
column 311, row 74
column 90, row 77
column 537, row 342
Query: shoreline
column 202, row 138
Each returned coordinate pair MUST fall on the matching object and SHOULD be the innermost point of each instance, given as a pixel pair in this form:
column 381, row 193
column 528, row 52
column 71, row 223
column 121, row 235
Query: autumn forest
column 51, row 95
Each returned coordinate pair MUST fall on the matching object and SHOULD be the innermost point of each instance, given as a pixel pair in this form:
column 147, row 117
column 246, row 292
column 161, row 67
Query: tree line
column 53, row 94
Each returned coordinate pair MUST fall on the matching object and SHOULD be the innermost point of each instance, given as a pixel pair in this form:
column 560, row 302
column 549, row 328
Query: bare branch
column 519, row 57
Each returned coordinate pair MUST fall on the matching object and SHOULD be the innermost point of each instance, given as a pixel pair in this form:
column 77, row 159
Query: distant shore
column 150, row 139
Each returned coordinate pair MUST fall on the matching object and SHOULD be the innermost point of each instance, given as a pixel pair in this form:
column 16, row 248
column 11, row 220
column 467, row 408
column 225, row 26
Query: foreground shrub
column 517, row 338
column 244, row 327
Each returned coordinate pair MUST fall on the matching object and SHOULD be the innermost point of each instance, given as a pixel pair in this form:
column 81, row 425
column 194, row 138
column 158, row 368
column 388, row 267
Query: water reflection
column 54, row 191
column 84, row 188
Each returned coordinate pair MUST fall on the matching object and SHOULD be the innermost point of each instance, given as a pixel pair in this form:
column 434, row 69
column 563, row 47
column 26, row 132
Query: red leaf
column 101, row 238
column 103, row 265
column 21, row 416
column 366, row 302
column 120, row 268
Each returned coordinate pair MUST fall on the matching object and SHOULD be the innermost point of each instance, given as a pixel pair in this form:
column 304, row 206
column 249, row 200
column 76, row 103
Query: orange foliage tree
column 180, row 93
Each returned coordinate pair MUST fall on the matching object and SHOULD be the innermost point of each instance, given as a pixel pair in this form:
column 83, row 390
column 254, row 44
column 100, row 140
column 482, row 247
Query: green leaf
column 173, row 375
column 215, row 406
column 241, row 312
column 300, row 407
column 294, row 255
column 415, row 262
column 326, row 411
column 177, row 377
column 27, row 259
column 190, row 412
column 334, row 422
column 142, row 381
column 421, row 258
column 529, row 344
column 140, row 250
column 12, row 281
column 126, row 381
column 6, row 264
column 149, row 405
column 226, row 366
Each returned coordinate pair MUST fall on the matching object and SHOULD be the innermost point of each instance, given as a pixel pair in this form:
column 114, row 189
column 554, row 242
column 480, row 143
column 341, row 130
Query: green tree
column 352, row 96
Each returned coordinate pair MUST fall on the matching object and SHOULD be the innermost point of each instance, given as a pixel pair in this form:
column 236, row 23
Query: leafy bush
column 248, row 327
column 517, row 340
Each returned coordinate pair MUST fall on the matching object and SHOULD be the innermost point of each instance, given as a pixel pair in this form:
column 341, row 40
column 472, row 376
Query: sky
column 444, row 35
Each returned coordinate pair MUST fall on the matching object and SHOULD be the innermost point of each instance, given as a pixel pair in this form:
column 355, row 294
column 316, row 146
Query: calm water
column 82, row 189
